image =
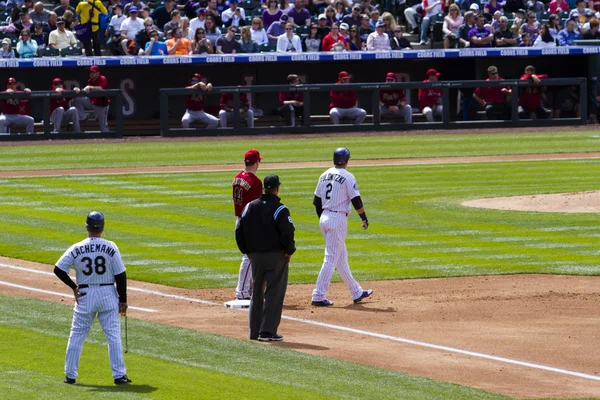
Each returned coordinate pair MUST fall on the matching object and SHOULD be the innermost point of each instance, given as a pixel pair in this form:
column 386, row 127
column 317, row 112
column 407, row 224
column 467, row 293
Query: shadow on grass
column 130, row 388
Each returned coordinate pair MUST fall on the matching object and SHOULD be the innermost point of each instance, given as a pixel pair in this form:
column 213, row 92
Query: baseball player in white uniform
column 335, row 190
column 98, row 265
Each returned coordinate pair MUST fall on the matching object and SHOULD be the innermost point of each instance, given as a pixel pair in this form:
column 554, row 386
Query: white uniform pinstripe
column 242, row 291
column 96, row 261
column 336, row 188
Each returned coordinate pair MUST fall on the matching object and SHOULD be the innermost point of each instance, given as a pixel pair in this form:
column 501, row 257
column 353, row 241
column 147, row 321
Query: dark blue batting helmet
column 341, row 156
column 95, row 220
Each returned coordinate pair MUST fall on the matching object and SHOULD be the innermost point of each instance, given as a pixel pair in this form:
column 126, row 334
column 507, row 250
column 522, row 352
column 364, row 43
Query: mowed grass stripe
column 282, row 149
column 418, row 226
column 172, row 363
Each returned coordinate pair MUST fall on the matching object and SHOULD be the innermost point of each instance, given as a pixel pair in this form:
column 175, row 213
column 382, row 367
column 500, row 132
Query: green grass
column 172, row 363
column 279, row 149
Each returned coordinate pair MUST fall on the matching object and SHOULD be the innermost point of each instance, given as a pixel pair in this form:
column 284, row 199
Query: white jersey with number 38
column 336, row 188
column 95, row 261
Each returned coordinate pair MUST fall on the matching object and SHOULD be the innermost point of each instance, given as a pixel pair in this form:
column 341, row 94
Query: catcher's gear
column 95, row 220
column 341, row 156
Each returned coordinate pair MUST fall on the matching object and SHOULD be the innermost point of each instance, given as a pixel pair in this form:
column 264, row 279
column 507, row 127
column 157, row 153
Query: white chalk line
column 359, row 332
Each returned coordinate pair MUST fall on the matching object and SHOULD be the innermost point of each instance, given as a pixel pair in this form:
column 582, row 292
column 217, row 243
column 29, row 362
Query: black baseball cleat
column 270, row 337
column 122, row 380
column 364, row 295
column 322, row 303
column 70, row 381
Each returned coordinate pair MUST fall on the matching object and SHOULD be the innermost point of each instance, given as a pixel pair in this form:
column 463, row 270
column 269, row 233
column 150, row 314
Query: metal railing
column 313, row 90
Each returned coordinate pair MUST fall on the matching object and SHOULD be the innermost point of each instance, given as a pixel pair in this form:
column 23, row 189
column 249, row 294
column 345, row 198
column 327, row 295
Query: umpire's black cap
column 95, row 220
column 271, row 182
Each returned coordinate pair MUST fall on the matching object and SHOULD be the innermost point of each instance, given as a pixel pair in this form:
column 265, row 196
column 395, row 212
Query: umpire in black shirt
column 266, row 234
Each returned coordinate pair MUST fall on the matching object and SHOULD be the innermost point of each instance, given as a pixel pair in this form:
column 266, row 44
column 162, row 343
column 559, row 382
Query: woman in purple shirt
column 271, row 14
column 492, row 6
column 531, row 26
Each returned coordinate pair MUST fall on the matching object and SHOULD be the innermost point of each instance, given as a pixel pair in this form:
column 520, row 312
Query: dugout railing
column 40, row 103
column 320, row 93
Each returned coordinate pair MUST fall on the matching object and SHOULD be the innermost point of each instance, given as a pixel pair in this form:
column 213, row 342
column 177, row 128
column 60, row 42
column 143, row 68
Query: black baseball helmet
column 341, row 155
column 95, row 220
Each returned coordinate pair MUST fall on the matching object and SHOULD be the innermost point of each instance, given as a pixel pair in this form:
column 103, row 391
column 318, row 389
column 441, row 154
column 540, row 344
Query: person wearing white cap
column 378, row 40
column 474, row 7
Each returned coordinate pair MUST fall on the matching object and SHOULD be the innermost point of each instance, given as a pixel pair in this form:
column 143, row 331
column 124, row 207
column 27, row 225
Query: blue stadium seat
column 71, row 51
column 267, row 48
column 48, row 52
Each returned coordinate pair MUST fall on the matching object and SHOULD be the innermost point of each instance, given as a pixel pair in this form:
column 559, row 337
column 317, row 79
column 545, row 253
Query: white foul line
column 342, row 328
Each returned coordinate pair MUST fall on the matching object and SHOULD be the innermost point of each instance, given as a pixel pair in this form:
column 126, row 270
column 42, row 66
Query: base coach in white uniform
column 98, row 265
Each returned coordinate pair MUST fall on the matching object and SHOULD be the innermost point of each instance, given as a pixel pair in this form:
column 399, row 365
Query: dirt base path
column 548, row 321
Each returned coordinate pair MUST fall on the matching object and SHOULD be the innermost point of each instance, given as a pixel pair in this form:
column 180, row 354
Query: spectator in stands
column 291, row 104
column 530, row 101
column 200, row 44
column 59, row 108
column 413, row 7
column 364, row 30
column 51, row 24
column 480, row 36
column 144, row 36
column 430, row 99
column 398, row 42
column 137, row 3
column 592, row 33
column 465, row 28
column 518, row 21
column 227, row 44
column 64, row 6
column 317, row 6
column 12, row 112
column 234, row 15
column 184, row 25
column 12, row 5
column 566, row 104
column 526, row 40
column 558, row 6
column 594, row 5
column 68, row 17
column 355, row 42
column 340, row 11
column 504, row 37
column 221, row 6
column 390, row 23
column 378, row 40
column 366, row 7
column 567, row 36
column 494, row 100
column 210, row 30
column 39, row 13
column 213, row 11
column 496, row 20
column 161, row 15
column 334, row 41
column 354, row 17
column 392, row 102
column 129, row 30
column 98, row 104
column 374, row 18
column 259, row 35
column 198, row 22
column 431, row 8
column 227, row 109
column 554, row 25
column 322, row 28
column 145, row 13
column 271, row 14
column 7, row 51
column 312, row 42
column 492, row 6
column 117, row 19
column 26, row 47
column 289, row 42
column 452, row 23
column 344, row 27
column 173, row 23
column 285, row 5
column 179, row 45
column 195, row 104
column 154, row 47
column 15, row 15
column 299, row 16
column 530, row 26
column 83, row 12
column 39, row 36
column 582, row 13
column 344, row 104
column 536, row 6
column 545, row 38
column 24, row 22
column 330, row 16
column 277, row 29
column 247, row 45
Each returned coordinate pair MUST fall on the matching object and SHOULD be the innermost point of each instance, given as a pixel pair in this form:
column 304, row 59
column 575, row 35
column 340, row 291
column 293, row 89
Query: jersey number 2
column 99, row 265
column 328, row 192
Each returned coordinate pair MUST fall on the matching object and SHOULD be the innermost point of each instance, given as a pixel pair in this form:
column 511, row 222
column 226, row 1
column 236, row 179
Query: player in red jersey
column 430, row 99
column 531, row 99
column 246, row 187
column 14, row 111
column 194, row 105
column 291, row 103
column 59, row 108
column 97, row 104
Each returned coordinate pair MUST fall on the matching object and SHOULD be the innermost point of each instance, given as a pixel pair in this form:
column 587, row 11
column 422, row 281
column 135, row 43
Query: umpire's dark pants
column 266, row 306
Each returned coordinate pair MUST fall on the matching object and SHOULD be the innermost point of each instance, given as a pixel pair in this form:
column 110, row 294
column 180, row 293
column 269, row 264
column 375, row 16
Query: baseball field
column 469, row 302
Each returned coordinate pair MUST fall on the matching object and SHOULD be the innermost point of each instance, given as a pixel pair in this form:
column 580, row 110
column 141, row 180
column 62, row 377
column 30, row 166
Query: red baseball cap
column 12, row 80
column 94, row 68
column 252, row 156
column 433, row 72
column 390, row 75
column 57, row 81
column 197, row 76
column 343, row 75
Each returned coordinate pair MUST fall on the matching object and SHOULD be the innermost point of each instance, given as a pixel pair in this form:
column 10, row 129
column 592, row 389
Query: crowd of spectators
column 184, row 27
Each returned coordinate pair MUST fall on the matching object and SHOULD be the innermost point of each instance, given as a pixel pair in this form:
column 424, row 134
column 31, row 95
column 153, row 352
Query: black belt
column 341, row 212
column 101, row 284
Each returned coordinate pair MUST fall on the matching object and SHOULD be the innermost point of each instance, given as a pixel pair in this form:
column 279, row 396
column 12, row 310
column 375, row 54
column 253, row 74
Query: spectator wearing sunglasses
column 227, row 44
column 201, row 44
column 289, row 42
column 259, row 35
column 155, row 47
column 26, row 47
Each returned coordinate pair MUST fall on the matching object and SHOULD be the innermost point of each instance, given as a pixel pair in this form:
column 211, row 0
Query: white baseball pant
column 225, row 115
column 72, row 115
column 190, row 116
column 242, row 291
column 431, row 113
column 404, row 112
column 410, row 13
column 355, row 113
column 101, row 301
column 7, row 120
column 333, row 227
column 84, row 103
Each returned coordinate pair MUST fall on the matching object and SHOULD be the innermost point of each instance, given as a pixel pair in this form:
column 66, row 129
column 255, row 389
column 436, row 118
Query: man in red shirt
column 334, row 41
column 291, row 103
column 227, row 109
column 343, row 103
column 97, row 104
column 392, row 102
column 59, row 108
column 13, row 110
column 194, row 105
column 431, row 98
column 246, row 188
column 530, row 101
column 494, row 99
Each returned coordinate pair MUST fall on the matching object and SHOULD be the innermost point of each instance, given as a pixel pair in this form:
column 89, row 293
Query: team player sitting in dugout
column 195, row 105
column 344, row 103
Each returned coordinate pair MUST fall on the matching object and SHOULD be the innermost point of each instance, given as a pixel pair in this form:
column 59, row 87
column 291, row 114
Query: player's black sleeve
column 357, row 203
column 63, row 276
column 318, row 205
column 121, row 280
column 239, row 237
column 286, row 231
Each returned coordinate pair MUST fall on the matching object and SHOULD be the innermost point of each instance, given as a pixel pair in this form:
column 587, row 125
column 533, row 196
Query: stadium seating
column 267, row 47
column 71, row 51
column 48, row 52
